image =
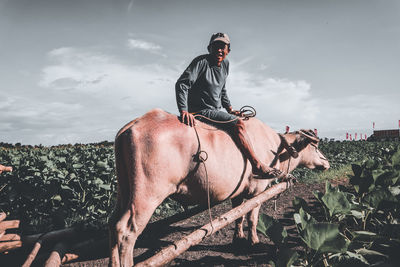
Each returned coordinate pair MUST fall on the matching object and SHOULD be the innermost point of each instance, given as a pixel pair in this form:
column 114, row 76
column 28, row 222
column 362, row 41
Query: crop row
column 57, row 187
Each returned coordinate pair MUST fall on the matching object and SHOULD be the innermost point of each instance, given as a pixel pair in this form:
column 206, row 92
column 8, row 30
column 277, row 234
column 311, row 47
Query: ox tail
column 125, row 171
column 122, row 220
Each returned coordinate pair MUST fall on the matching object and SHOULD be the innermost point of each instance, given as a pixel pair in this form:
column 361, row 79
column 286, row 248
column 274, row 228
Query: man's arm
column 225, row 100
column 226, row 103
column 182, row 88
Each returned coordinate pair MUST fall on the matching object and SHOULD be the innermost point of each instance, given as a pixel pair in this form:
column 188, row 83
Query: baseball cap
column 223, row 37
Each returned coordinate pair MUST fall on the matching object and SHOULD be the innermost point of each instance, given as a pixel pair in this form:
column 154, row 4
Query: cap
column 223, row 37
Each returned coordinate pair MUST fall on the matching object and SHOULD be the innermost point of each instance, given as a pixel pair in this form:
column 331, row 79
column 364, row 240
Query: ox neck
column 288, row 163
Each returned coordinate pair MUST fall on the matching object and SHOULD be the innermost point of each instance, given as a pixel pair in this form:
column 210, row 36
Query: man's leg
column 244, row 144
column 236, row 128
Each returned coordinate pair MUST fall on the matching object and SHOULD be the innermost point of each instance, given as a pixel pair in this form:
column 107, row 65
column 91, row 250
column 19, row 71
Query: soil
column 217, row 249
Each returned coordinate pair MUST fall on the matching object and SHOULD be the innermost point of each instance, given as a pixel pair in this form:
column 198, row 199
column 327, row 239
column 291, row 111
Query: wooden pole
column 69, row 257
column 56, row 255
column 171, row 252
column 64, row 234
column 86, row 248
column 31, row 257
column 6, row 246
column 10, row 237
column 4, row 225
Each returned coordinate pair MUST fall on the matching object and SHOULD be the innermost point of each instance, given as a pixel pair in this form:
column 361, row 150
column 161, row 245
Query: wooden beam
column 56, row 256
column 10, row 237
column 171, row 252
column 69, row 257
column 5, row 246
column 4, row 225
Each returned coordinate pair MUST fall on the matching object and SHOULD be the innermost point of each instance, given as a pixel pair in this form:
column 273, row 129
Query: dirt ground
column 218, row 250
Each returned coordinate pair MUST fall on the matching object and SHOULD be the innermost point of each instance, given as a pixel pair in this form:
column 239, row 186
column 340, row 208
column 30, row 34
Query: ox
column 156, row 158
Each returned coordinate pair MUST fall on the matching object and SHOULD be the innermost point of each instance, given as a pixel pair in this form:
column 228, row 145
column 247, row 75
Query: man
column 201, row 90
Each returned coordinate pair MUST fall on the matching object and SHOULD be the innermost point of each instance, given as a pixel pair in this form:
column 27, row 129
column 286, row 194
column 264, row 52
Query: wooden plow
column 64, row 249
column 8, row 241
column 63, row 244
column 169, row 253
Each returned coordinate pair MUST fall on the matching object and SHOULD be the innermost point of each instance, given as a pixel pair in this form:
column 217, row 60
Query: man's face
column 219, row 50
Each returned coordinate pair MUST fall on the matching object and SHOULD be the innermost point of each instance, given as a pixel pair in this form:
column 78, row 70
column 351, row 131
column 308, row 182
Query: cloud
column 30, row 119
column 109, row 92
column 86, row 96
column 278, row 101
column 143, row 45
column 130, row 5
column 94, row 94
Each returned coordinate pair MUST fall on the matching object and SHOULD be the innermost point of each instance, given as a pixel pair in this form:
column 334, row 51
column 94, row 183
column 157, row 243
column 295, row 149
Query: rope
column 202, row 159
column 246, row 112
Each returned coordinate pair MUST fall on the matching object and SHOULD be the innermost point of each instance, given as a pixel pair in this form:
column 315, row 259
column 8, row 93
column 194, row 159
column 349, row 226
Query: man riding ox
column 200, row 93
column 157, row 156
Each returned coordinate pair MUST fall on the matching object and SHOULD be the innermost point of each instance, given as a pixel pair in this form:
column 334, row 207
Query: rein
column 246, row 112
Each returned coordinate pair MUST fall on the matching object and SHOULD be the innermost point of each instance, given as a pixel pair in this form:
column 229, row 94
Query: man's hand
column 5, row 168
column 187, row 118
column 232, row 111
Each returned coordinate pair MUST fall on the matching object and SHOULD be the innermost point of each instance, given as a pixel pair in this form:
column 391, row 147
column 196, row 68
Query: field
column 67, row 186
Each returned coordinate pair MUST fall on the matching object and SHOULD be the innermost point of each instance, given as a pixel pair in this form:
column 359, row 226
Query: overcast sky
column 78, row 70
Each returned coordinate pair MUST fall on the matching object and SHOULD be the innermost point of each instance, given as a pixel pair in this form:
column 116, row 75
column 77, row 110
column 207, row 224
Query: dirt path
column 217, row 250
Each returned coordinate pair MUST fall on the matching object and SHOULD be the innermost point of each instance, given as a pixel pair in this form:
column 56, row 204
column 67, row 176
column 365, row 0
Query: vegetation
column 357, row 226
column 56, row 187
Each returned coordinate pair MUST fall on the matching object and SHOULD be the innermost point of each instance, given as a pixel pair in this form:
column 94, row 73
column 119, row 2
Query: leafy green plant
column 275, row 231
column 62, row 186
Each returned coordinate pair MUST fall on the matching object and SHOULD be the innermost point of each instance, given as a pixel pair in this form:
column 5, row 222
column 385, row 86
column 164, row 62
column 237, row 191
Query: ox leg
column 114, row 255
column 252, row 219
column 239, row 234
column 135, row 218
column 126, row 230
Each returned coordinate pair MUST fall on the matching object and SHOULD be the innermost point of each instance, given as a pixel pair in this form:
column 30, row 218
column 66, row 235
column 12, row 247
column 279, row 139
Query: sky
column 76, row 71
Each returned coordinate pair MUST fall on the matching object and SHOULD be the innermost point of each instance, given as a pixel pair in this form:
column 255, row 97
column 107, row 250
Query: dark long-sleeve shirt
column 202, row 86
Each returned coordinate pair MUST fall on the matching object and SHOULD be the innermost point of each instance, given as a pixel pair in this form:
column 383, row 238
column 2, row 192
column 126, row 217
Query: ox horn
column 310, row 135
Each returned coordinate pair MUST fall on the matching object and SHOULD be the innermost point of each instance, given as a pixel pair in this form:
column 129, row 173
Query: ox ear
column 309, row 135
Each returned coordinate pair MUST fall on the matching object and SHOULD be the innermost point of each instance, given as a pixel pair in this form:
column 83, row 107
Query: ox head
column 311, row 157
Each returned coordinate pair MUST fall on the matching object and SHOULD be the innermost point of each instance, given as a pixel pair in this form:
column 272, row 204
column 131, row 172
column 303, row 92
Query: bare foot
column 266, row 172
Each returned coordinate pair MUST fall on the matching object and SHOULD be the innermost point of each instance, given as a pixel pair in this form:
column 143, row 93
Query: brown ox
column 156, row 158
